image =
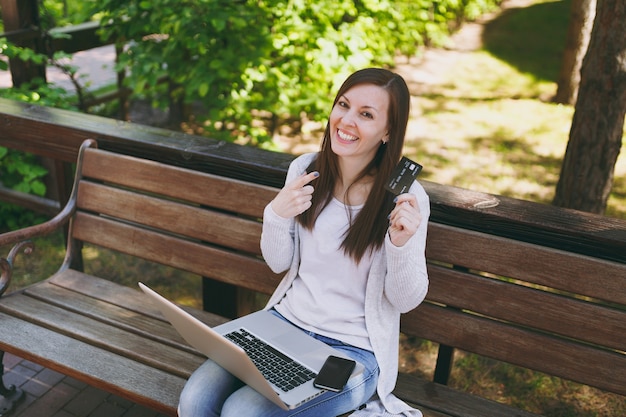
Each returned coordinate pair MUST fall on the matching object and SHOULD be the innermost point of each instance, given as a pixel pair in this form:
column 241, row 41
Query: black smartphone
column 334, row 373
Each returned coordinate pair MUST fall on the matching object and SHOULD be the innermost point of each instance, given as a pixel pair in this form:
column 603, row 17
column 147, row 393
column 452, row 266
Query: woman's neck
column 351, row 190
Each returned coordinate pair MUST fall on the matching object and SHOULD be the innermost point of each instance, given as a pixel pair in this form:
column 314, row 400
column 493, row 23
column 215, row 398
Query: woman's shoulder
column 300, row 163
column 306, row 158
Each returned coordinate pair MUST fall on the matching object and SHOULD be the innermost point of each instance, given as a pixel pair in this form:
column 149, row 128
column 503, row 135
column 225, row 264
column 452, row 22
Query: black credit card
column 403, row 176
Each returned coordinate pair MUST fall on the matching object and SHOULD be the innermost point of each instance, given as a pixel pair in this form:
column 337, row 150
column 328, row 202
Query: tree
column 582, row 13
column 16, row 17
column 598, row 123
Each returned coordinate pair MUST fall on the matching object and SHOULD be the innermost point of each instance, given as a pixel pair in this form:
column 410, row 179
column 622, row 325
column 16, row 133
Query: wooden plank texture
column 95, row 366
column 205, row 189
column 535, row 308
column 129, row 343
column 23, row 126
column 519, row 346
column 578, row 274
column 450, row 402
column 199, row 223
column 193, row 257
column 118, row 295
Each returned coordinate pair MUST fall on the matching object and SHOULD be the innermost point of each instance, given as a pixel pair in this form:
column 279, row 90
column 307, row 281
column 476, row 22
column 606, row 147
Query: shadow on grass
column 533, row 391
column 531, row 38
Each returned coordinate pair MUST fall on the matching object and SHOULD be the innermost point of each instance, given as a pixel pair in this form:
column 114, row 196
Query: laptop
column 293, row 347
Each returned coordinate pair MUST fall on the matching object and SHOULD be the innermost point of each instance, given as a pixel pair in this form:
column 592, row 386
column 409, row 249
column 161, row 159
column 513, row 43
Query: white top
column 397, row 283
column 328, row 295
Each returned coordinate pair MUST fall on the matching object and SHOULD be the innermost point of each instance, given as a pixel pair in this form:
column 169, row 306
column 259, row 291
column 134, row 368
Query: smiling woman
column 358, row 125
column 353, row 253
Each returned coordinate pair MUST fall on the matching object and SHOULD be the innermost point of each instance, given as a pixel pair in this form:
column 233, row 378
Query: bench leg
column 8, row 396
column 445, row 358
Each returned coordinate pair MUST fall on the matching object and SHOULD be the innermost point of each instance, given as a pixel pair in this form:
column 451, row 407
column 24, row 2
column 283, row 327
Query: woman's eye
column 342, row 104
column 368, row 115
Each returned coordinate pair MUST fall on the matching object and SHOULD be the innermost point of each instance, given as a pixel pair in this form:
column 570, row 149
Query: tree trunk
column 582, row 13
column 598, row 123
column 21, row 20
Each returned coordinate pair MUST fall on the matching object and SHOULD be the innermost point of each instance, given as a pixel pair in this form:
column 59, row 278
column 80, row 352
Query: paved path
column 95, row 69
column 51, row 394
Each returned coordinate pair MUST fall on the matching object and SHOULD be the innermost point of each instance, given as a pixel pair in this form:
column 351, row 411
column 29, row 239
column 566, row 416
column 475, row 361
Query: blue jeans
column 212, row 391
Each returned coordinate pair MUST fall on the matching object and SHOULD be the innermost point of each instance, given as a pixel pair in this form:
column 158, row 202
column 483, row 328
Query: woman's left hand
column 404, row 219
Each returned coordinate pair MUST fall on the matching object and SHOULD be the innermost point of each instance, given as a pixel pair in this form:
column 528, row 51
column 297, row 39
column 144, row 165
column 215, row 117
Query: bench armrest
column 20, row 239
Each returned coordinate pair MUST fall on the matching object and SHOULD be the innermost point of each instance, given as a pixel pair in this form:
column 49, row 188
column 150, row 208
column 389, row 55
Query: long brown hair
column 367, row 229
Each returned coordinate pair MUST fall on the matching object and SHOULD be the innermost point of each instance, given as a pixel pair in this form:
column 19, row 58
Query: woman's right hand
column 295, row 196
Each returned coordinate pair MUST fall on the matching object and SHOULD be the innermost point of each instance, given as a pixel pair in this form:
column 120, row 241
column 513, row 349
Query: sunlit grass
column 485, row 120
column 490, row 134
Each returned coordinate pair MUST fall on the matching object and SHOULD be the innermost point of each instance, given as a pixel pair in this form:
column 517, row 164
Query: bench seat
column 107, row 335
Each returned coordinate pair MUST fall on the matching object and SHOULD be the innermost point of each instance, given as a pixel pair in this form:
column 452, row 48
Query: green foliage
column 248, row 60
column 57, row 13
column 37, row 91
column 20, row 172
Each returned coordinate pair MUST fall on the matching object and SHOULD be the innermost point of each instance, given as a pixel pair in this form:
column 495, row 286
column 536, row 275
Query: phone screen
column 334, row 373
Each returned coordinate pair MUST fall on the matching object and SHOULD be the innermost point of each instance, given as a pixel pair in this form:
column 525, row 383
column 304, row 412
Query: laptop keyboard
column 275, row 366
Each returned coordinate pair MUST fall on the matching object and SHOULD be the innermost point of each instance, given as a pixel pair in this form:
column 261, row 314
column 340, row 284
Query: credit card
column 403, row 176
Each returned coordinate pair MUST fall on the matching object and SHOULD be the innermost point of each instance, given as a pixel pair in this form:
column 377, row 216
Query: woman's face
column 358, row 122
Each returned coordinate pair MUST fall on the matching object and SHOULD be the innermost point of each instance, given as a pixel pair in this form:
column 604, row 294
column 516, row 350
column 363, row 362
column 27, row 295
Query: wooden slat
column 121, row 296
column 573, row 231
column 96, row 333
column 234, row 268
column 110, row 314
column 561, row 270
column 554, row 313
column 206, row 189
column 197, row 223
column 543, row 352
column 441, row 399
column 97, row 367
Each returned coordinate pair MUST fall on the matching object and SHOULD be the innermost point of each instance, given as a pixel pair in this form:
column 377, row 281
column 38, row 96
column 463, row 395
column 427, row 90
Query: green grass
column 488, row 123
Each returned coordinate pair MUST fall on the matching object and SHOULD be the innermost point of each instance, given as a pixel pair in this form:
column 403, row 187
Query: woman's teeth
column 345, row 136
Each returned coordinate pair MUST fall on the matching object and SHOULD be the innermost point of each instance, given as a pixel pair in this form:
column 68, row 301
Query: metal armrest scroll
column 21, row 238
column 6, row 264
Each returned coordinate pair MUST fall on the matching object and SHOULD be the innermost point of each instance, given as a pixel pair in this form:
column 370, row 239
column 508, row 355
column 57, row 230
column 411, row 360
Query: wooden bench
column 547, row 309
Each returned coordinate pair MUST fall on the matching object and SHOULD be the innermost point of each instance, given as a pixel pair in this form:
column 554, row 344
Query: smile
column 346, row 137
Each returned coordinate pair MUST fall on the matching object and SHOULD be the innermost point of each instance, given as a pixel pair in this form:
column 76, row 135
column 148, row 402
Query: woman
column 354, row 256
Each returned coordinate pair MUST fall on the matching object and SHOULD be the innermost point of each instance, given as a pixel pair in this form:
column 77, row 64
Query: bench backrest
column 193, row 221
column 533, row 306
column 529, row 305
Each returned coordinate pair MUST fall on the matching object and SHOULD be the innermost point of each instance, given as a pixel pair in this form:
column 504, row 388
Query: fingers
column 302, row 180
column 295, row 197
column 404, row 219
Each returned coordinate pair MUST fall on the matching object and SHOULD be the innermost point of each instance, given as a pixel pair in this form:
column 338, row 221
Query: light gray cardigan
column 397, row 283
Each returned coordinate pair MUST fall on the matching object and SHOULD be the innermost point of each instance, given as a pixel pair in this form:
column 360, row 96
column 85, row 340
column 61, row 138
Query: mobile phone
column 334, row 373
